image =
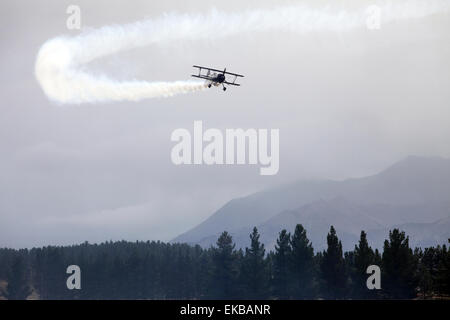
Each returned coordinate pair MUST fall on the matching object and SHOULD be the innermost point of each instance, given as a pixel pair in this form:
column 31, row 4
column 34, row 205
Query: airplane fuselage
column 216, row 80
column 219, row 78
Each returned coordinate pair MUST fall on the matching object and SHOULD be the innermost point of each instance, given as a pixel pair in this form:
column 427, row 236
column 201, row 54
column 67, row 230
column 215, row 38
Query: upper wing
column 206, row 68
column 234, row 74
column 216, row 70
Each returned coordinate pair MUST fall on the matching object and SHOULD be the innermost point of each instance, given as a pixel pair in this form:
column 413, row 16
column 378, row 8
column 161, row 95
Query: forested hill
column 156, row 270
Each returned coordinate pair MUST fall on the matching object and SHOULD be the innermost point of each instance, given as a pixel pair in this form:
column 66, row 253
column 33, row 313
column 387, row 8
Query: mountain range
column 412, row 195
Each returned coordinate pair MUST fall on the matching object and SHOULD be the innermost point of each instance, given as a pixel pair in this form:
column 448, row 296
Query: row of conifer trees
column 157, row 270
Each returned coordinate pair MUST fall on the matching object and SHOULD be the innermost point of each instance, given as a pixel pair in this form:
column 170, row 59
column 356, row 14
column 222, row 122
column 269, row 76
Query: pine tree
column 377, row 258
column 224, row 271
column 281, row 274
column 333, row 267
column 398, row 266
column 301, row 264
column 254, row 272
column 363, row 257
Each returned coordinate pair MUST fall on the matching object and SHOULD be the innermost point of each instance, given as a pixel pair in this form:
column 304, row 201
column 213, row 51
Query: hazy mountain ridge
column 413, row 194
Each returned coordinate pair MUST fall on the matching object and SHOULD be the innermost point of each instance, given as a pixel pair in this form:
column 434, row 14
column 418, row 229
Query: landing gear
column 224, row 88
column 209, row 85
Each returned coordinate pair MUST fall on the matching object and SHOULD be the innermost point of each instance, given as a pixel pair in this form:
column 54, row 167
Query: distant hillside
column 420, row 234
column 348, row 219
column 413, row 194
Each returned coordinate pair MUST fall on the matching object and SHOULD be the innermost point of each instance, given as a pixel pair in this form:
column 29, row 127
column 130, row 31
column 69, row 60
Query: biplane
column 216, row 77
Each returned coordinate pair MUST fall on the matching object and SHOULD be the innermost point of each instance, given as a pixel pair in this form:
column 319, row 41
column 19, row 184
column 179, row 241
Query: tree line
column 157, row 270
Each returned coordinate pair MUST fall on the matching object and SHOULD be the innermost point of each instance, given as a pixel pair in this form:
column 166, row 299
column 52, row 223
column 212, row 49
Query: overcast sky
column 347, row 104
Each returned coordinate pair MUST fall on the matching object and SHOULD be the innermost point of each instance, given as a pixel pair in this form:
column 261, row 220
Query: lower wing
column 202, row 77
column 232, row 84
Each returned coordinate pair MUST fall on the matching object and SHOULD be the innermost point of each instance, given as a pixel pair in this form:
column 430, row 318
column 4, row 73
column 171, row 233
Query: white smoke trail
column 59, row 61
